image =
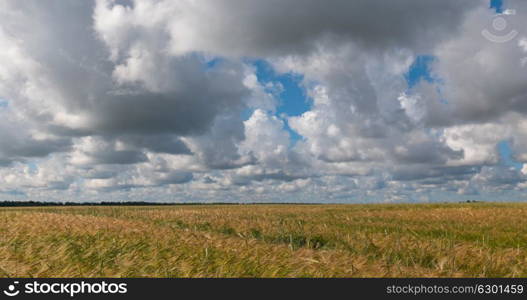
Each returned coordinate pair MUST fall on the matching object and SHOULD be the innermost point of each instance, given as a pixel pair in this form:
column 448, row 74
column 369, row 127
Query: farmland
column 378, row 240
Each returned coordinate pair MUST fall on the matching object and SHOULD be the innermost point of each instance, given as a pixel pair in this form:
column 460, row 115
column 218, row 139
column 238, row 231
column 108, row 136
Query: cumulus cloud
column 116, row 99
column 275, row 28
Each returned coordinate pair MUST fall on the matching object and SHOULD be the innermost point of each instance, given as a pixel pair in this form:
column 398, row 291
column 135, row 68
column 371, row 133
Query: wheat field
column 432, row 240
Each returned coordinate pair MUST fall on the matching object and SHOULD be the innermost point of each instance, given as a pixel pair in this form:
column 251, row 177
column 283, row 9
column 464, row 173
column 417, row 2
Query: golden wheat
column 447, row 240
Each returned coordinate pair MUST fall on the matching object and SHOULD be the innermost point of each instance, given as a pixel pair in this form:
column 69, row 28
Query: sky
column 263, row 101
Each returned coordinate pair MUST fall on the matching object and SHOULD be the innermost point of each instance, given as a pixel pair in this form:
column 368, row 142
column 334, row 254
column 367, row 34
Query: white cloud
column 158, row 100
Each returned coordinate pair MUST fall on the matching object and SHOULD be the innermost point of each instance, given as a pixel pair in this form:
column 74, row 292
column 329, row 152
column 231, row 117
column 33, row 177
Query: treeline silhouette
column 130, row 203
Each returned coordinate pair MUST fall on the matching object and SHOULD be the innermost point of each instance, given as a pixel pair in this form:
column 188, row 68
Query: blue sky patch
column 293, row 100
column 294, row 136
column 507, row 157
column 497, row 5
column 420, row 70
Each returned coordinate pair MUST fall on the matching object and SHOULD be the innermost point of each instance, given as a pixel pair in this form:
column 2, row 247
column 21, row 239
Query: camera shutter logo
column 12, row 290
column 500, row 24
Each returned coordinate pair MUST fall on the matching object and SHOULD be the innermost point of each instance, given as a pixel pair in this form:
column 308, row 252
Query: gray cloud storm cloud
column 160, row 101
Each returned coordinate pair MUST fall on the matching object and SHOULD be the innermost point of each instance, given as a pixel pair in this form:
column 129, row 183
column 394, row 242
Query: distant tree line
column 129, row 203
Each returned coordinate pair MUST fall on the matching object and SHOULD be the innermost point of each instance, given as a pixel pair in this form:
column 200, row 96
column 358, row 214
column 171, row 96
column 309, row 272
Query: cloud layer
column 162, row 101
